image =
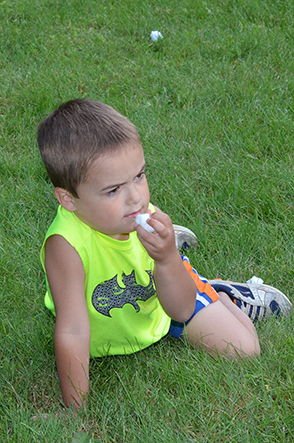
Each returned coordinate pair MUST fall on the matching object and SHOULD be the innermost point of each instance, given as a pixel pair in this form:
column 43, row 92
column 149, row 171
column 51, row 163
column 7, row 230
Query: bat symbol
column 110, row 294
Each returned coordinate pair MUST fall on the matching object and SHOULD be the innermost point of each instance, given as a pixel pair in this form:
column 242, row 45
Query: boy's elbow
column 184, row 315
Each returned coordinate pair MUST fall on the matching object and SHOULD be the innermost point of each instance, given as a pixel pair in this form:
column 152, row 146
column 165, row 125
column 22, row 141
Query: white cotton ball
column 155, row 35
column 141, row 219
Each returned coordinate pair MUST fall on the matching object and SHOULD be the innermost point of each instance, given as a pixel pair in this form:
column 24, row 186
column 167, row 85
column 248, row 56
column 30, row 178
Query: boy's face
column 116, row 191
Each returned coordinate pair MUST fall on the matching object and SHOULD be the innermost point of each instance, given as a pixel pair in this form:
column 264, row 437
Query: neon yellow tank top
column 124, row 311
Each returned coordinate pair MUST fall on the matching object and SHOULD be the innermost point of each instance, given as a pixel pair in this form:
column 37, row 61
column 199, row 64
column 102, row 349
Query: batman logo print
column 110, row 294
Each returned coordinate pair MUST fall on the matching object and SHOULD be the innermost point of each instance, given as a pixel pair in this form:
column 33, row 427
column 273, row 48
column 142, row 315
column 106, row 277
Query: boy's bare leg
column 223, row 327
column 240, row 315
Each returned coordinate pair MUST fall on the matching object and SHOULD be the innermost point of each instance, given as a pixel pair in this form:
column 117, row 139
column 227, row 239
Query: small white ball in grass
column 155, row 35
column 141, row 219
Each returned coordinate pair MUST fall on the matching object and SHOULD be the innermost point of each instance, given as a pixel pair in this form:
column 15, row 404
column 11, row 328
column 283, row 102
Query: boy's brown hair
column 74, row 135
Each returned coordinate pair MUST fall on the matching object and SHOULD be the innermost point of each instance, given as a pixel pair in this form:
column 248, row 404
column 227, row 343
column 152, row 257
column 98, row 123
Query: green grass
column 213, row 102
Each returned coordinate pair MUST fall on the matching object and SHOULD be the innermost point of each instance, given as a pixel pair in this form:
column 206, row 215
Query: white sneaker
column 256, row 300
column 185, row 238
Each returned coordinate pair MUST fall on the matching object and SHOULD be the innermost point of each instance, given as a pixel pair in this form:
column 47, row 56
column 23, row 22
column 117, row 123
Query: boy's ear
column 65, row 199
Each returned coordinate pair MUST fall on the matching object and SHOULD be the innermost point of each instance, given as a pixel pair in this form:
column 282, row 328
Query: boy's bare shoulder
column 65, row 271
column 59, row 250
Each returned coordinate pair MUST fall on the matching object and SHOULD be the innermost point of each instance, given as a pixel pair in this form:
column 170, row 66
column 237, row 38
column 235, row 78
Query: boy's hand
column 175, row 288
column 159, row 244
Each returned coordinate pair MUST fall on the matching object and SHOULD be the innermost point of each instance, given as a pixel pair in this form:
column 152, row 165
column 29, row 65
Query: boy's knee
column 248, row 348
column 252, row 348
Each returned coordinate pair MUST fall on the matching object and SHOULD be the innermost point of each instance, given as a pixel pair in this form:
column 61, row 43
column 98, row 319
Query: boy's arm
column 66, row 279
column 175, row 287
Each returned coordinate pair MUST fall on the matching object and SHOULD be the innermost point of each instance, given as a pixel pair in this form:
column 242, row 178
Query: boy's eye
column 141, row 174
column 113, row 191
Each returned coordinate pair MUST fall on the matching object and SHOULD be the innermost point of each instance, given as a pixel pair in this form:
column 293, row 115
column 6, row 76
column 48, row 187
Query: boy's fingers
column 159, row 220
column 156, row 225
column 157, row 214
column 146, row 238
column 149, row 236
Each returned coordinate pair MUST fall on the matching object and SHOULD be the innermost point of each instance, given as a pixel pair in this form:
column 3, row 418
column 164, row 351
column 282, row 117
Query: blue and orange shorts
column 205, row 295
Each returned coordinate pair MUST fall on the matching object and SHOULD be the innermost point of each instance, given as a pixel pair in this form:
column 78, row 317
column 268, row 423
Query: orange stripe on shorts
column 201, row 286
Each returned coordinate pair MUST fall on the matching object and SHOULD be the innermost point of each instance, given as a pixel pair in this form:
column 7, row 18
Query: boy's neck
column 120, row 237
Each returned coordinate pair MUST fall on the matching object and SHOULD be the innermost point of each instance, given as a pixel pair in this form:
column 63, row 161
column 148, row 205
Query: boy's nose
column 134, row 196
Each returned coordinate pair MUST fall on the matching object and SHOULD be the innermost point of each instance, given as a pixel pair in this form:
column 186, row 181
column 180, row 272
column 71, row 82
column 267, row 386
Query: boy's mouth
column 133, row 214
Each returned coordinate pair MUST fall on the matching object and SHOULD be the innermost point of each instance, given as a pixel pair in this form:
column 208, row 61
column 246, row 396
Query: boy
column 113, row 286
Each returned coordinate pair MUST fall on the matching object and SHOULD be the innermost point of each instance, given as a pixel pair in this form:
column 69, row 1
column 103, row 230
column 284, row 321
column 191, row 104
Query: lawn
column 213, row 103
